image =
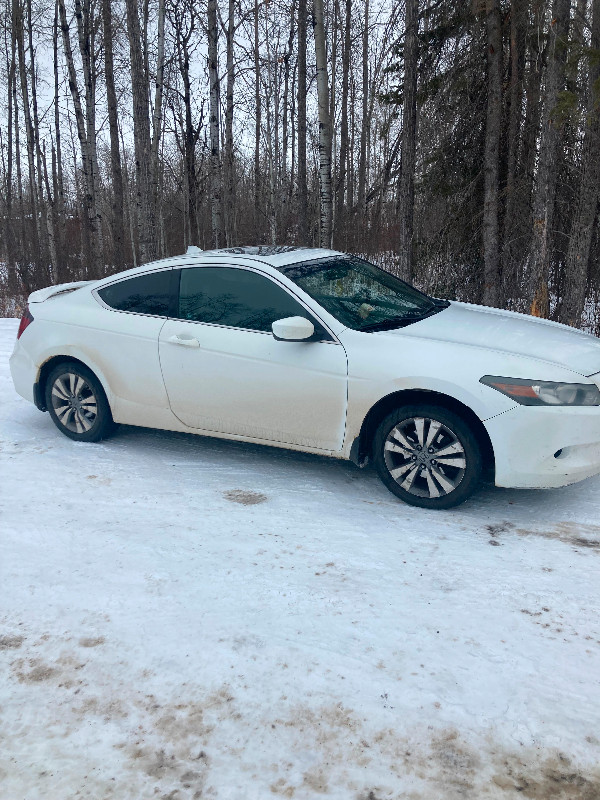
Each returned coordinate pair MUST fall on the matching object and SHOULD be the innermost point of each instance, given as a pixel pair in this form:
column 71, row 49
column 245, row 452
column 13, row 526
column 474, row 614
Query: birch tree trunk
column 58, row 221
column 547, row 173
column 51, row 222
column 57, row 167
column 578, row 254
column 340, row 212
column 229, row 171
column 158, row 111
column 271, row 136
column 257, row 127
column 351, row 235
column 45, row 234
column 293, row 130
column 331, row 49
column 127, row 203
column 364, row 131
column 491, row 165
column 215, row 155
column 406, row 193
column 301, row 100
column 326, row 206
column 285, row 183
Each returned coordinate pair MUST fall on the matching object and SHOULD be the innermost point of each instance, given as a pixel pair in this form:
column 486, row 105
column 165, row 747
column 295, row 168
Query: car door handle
column 186, row 342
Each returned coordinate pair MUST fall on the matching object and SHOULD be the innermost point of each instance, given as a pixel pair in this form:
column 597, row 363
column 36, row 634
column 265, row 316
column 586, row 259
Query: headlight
column 544, row 393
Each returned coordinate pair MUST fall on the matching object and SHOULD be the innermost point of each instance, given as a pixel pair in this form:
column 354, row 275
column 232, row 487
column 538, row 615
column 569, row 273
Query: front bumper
column 540, row 447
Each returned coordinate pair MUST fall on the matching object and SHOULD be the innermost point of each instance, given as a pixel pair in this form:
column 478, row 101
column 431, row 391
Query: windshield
column 360, row 295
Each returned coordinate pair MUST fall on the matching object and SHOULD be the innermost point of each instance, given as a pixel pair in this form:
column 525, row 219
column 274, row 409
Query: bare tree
column 406, row 194
column 257, row 126
column 46, row 228
column 587, row 201
column 30, row 139
column 57, row 164
column 157, row 114
column 183, row 19
column 514, row 182
column 302, row 186
column 144, row 207
column 326, row 209
column 362, row 164
column 86, row 131
column 229, row 159
column 547, row 172
column 23, row 264
column 117, row 209
column 340, row 211
column 215, row 154
column 491, row 165
column 9, row 232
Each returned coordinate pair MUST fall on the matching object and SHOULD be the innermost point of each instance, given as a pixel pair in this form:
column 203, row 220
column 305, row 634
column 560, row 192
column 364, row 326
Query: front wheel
column 427, row 456
column 77, row 403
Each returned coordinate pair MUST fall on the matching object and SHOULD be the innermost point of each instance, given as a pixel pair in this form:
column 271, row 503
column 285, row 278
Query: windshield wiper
column 385, row 324
column 406, row 319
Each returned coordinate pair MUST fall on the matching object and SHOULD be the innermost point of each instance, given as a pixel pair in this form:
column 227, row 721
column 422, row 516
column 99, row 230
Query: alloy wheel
column 425, row 457
column 74, row 402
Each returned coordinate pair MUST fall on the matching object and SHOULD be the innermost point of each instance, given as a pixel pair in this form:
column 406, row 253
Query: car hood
column 510, row 332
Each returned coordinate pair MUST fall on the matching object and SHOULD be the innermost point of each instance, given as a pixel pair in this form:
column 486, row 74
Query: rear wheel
column 427, row 456
column 77, row 403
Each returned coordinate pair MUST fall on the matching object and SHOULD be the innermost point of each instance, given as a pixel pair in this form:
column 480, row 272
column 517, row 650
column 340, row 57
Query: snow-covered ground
column 183, row 617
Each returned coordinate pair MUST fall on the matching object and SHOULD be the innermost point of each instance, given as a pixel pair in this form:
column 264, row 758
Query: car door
column 122, row 337
column 225, row 372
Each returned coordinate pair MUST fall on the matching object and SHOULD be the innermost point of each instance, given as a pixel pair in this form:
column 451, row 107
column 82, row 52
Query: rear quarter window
column 144, row 294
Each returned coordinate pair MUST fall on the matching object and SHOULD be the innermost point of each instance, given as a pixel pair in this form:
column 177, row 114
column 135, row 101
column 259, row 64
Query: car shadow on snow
column 547, row 512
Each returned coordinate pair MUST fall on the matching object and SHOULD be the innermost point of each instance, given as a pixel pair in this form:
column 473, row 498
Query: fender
column 65, row 353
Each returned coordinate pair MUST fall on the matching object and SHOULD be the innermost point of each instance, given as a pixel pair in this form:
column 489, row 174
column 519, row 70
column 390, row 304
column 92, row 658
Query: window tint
column 235, row 297
column 145, row 294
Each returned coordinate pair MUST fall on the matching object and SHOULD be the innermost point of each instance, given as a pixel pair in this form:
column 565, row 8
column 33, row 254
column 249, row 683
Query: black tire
column 77, row 403
column 431, row 451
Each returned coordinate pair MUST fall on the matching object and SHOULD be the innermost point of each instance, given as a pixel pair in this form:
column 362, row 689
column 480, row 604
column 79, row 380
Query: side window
column 237, row 298
column 144, row 294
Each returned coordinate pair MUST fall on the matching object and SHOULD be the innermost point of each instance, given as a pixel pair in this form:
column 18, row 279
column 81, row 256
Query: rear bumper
column 539, row 447
column 24, row 373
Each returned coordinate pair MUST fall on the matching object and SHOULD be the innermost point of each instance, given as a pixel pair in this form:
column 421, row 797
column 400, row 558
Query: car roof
column 274, row 256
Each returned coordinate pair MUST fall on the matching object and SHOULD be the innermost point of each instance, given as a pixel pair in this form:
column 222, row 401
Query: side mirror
column 292, row 329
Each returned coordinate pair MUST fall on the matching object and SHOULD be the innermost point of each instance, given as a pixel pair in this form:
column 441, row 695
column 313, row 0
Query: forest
column 455, row 144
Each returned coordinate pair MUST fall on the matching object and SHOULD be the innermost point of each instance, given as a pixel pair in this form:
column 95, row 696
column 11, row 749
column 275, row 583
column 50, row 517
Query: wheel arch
column 363, row 445
column 39, row 389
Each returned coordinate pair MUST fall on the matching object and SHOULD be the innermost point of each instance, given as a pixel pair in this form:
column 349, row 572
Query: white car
column 323, row 352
